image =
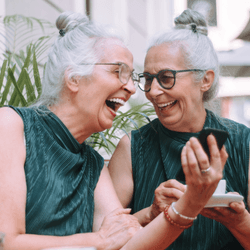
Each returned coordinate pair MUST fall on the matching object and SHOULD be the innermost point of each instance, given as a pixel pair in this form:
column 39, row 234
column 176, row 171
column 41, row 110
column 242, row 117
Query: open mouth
column 115, row 103
column 167, row 105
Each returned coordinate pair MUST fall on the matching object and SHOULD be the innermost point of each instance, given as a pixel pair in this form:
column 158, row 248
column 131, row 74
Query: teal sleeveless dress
column 156, row 158
column 61, row 176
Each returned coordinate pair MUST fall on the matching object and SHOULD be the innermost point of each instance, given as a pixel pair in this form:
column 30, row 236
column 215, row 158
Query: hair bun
column 192, row 20
column 69, row 20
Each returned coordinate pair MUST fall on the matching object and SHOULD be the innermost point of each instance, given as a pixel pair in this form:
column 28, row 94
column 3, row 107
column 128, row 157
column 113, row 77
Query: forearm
column 38, row 242
column 143, row 216
column 157, row 235
column 242, row 231
column 160, row 233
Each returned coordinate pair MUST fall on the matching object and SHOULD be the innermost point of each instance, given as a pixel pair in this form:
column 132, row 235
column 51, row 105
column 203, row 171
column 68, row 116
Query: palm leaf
column 18, row 91
column 2, row 74
column 6, row 89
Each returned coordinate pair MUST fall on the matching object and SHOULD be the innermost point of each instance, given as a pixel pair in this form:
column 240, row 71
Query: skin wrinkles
column 102, row 85
column 186, row 94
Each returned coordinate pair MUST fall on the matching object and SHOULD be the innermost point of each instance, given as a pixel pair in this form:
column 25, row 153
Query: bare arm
column 120, row 168
column 159, row 233
column 116, row 229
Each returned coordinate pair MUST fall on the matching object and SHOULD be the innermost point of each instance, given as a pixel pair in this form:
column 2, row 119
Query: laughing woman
column 180, row 75
column 54, row 189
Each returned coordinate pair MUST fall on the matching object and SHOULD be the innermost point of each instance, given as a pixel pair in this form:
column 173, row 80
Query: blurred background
column 229, row 30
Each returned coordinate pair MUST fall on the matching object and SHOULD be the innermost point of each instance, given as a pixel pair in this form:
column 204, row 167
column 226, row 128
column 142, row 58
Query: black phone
column 220, row 135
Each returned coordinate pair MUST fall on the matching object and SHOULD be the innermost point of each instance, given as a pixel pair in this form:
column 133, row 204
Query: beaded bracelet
column 182, row 216
column 174, row 223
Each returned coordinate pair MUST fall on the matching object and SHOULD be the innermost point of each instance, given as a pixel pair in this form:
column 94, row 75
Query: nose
column 130, row 86
column 155, row 88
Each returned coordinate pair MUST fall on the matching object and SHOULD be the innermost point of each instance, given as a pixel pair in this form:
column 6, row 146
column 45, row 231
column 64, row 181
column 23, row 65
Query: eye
column 166, row 77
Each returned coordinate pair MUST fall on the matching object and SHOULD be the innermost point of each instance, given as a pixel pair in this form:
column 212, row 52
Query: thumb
column 119, row 211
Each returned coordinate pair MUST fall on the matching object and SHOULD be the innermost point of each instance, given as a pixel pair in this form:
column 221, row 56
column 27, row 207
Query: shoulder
column 146, row 131
column 10, row 119
column 234, row 128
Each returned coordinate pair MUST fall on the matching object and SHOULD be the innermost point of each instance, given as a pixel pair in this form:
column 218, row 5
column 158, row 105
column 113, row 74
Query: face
column 103, row 93
column 180, row 108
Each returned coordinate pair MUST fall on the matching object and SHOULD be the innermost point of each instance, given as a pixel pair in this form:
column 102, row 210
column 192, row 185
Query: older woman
column 180, row 76
column 55, row 190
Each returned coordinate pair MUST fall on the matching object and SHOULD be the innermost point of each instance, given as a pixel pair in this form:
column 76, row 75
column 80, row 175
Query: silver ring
column 205, row 170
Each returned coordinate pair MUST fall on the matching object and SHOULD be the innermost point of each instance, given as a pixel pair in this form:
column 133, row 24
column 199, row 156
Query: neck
column 76, row 122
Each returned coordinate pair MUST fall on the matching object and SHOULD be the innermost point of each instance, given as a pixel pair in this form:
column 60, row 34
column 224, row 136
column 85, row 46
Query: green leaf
column 37, row 77
column 19, row 92
column 6, row 90
column 2, row 74
column 31, row 97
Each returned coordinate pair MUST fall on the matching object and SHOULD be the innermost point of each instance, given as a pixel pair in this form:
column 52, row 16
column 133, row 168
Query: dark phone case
column 221, row 137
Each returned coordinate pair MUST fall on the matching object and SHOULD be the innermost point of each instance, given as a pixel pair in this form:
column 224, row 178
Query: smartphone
column 220, row 135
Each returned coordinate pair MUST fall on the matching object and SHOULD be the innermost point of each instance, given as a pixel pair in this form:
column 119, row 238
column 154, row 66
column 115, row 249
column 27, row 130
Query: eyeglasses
column 166, row 78
column 124, row 72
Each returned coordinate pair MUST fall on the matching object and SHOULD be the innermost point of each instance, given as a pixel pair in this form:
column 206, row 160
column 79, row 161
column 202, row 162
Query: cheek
column 148, row 96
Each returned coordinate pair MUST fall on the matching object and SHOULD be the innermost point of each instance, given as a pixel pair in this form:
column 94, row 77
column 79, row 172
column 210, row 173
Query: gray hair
column 75, row 50
column 190, row 34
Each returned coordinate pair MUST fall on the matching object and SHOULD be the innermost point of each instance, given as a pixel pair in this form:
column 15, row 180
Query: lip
column 117, row 103
column 166, row 104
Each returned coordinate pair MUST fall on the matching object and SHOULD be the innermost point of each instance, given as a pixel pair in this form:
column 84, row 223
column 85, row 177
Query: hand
column 117, row 228
column 167, row 192
column 228, row 216
column 201, row 186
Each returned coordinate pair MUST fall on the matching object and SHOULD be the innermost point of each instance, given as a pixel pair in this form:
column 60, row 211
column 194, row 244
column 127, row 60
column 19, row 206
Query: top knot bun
column 193, row 20
column 69, row 20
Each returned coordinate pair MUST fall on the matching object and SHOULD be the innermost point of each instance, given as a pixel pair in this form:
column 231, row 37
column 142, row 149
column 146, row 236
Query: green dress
column 156, row 158
column 61, row 176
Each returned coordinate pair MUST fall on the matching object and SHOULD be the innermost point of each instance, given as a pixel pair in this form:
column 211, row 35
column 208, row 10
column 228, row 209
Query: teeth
column 117, row 100
column 165, row 104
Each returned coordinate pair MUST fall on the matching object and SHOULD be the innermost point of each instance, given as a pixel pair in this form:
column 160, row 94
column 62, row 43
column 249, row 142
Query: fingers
column 173, row 184
column 193, row 158
column 119, row 211
column 238, row 207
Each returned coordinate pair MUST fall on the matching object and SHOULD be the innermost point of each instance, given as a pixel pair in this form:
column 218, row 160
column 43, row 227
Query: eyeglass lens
column 165, row 78
column 125, row 74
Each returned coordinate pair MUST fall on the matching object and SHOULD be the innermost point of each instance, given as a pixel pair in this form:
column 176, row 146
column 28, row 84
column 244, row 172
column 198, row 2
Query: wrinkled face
column 178, row 108
column 103, row 92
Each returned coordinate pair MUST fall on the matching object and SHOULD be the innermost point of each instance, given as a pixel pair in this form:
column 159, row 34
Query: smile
column 115, row 103
column 164, row 105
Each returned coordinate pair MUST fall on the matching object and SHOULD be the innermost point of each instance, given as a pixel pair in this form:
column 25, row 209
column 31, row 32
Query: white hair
column 190, row 34
column 74, row 50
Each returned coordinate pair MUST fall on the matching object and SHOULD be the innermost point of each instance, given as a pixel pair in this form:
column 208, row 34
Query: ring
column 205, row 170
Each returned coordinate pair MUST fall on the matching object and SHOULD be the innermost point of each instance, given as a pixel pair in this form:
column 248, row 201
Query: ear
column 207, row 81
column 72, row 84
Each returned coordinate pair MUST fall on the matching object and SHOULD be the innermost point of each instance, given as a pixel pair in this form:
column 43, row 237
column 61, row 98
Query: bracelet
column 182, row 216
column 174, row 223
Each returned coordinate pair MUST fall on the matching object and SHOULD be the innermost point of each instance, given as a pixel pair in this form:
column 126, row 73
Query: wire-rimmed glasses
column 166, row 78
column 124, row 72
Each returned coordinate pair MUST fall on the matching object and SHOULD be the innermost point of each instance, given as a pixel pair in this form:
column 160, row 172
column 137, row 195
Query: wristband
column 182, row 216
column 173, row 222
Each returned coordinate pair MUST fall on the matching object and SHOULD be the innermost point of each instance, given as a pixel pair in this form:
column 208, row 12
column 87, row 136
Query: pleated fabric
column 61, row 176
column 156, row 158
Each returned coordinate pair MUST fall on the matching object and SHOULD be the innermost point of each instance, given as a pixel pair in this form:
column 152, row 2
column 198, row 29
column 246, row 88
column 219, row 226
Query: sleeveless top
column 156, row 158
column 61, row 176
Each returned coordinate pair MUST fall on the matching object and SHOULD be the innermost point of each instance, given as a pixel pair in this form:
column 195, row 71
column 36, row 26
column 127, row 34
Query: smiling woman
column 59, row 185
column 181, row 74
column 55, row 189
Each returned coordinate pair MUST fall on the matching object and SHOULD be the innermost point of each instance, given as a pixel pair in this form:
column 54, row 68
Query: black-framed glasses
column 124, row 72
column 166, row 78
